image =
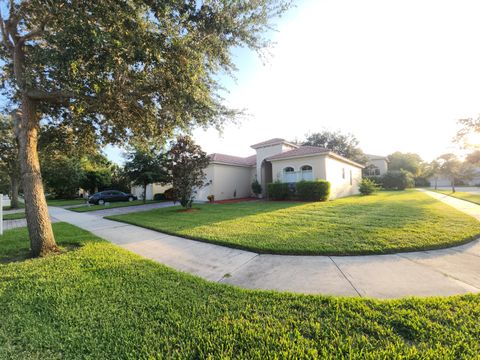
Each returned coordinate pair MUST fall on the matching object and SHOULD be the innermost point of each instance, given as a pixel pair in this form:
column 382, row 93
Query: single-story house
column 152, row 189
column 376, row 165
column 277, row 159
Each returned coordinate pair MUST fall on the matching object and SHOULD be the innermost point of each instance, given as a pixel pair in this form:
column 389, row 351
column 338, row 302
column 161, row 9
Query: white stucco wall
column 317, row 162
column 340, row 185
column 152, row 189
column 225, row 179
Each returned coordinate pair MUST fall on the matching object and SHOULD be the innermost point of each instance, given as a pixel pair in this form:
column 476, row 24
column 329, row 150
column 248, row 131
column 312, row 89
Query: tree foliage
column 345, row 145
column 186, row 164
column 145, row 165
column 405, row 161
column 455, row 170
column 9, row 161
column 63, row 176
column 117, row 69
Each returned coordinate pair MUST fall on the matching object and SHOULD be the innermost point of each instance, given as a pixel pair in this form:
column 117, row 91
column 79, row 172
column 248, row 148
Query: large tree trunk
column 42, row 241
column 453, row 186
column 14, row 185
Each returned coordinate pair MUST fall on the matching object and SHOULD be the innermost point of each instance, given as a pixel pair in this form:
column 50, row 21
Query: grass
column 98, row 301
column 474, row 198
column 20, row 206
column 383, row 223
column 112, row 205
column 14, row 216
column 63, row 202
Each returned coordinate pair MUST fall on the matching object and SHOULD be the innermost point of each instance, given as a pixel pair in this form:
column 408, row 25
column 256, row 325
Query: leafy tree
column 468, row 126
column 473, row 158
column 9, row 163
column 433, row 170
column 345, row 145
column 63, row 176
column 453, row 169
column 398, row 180
column 186, row 164
column 98, row 172
column 405, row 161
column 115, row 69
column 146, row 165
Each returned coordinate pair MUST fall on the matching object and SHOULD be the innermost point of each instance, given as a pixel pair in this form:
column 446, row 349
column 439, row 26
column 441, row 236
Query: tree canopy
column 146, row 164
column 405, row 161
column 186, row 164
column 117, row 69
column 345, row 145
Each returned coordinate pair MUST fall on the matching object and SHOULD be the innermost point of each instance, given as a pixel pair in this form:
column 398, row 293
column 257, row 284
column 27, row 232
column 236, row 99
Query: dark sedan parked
column 103, row 197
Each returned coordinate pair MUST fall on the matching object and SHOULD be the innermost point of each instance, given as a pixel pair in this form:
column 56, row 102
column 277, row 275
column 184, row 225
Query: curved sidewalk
column 426, row 273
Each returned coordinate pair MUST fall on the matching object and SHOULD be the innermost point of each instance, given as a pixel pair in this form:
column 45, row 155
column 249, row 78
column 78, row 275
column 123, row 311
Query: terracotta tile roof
column 301, row 151
column 233, row 160
column 273, row 141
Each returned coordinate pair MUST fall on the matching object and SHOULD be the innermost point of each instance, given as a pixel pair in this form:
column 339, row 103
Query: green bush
column 256, row 187
column 398, row 180
column 422, row 181
column 313, row 190
column 159, row 197
column 368, row 186
column 277, row 191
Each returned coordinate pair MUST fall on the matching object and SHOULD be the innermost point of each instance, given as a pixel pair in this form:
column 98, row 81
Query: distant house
column 279, row 160
column 152, row 189
column 376, row 165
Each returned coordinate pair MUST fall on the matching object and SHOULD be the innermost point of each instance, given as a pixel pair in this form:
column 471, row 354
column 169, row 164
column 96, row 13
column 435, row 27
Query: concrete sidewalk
column 426, row 273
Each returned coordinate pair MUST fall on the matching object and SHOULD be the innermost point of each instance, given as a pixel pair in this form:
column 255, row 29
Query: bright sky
column 396, row 74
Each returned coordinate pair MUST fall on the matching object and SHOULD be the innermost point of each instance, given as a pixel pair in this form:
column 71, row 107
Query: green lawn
column 14, row 216
column 62, row 202
column 475, row 198
column 20, row 206
column 112, row 205
column 383, row 223
column 97, row 301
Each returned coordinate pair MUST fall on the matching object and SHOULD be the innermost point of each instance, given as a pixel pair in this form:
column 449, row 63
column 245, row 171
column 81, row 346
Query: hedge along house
column 279, row 160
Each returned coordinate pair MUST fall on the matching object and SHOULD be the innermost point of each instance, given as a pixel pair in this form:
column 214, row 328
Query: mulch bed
column 233, row 201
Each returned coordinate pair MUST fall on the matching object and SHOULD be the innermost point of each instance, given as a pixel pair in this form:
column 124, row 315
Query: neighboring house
column 376, row 165
column 442, row 181
column 277, row 159
column 152, row 189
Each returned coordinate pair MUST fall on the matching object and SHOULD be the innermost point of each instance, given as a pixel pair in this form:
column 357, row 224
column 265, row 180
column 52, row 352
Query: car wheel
column 101, row 202
column 130, row 198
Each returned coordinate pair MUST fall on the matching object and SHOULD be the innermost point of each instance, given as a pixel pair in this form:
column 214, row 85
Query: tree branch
column 53, row 97
column 6, row 41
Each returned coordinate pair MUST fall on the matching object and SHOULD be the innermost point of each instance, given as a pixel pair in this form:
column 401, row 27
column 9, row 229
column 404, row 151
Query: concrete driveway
column 426, row 273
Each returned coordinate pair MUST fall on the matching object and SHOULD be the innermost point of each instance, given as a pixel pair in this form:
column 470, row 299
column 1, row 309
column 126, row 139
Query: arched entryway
column 266, row 176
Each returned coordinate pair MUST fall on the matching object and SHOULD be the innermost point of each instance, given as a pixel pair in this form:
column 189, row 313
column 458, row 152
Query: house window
column 372, row 170
column 306, row 173
column 289, row 175
column 343, row 173
column 351, row 177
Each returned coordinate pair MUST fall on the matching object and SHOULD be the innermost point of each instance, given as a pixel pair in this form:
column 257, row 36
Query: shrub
column 256, row 187
column 313, row 190
column 398, row 180
column 367, row 186
column 277, row 191
column 159, row 197
column 211, row 198
column 421, row 181
column 169, row 194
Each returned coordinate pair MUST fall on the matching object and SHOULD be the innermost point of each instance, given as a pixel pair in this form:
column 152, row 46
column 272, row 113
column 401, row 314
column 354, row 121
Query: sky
column 396, row 74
